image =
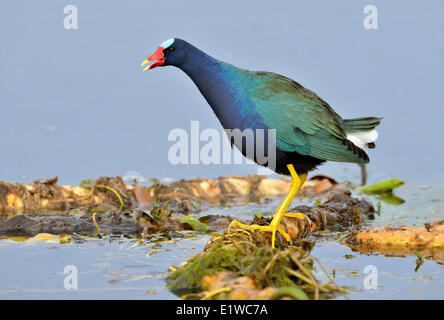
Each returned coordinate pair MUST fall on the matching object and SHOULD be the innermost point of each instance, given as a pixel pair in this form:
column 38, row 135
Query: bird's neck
column 204, row 70
column 214, row 79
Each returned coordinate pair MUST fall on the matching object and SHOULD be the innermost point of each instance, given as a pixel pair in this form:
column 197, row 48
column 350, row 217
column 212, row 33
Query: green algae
column 217, row 258
column 266, row 266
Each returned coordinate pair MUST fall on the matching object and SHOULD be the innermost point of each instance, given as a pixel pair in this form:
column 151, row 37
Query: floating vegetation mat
column 234, row 266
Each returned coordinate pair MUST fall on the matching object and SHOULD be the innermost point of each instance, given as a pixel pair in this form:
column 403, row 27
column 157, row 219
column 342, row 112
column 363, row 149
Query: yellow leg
column 295, row 186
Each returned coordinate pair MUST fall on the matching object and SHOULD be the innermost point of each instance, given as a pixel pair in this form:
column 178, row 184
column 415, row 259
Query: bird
column 306, row 130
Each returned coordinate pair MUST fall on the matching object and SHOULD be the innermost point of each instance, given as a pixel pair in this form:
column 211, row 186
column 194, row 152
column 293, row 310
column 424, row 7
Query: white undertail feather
column 363, row 138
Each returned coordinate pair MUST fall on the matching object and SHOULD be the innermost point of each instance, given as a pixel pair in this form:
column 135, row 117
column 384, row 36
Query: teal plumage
column 304, row 122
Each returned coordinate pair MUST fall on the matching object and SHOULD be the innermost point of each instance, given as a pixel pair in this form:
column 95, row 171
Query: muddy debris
column 28, row 225
column 135, row 223
column 427, row 241
column 47, row 195
column 338, row 207
column 109, row 206
column 185, row 196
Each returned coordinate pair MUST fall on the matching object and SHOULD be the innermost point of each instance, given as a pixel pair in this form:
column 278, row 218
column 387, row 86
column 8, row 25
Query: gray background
column 76, row 104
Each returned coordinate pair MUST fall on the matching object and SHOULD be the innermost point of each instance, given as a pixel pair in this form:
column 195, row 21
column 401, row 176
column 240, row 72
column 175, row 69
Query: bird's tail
column 361, row 131
column 361, row 124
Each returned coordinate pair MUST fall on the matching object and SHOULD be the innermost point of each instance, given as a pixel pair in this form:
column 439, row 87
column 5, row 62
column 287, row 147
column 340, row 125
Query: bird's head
column 170, row 52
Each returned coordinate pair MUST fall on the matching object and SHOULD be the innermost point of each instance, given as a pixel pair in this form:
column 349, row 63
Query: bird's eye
column 170, row 49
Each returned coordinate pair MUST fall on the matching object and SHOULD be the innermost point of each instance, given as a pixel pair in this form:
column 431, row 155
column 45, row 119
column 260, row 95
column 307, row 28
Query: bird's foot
column 274, row 226
column 270, row 228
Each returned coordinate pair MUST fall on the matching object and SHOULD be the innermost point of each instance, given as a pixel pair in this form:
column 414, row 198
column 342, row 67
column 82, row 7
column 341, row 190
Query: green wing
column 304, row 122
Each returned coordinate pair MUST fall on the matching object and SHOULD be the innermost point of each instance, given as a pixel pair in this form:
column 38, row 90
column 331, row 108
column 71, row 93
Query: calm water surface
column 76, row 104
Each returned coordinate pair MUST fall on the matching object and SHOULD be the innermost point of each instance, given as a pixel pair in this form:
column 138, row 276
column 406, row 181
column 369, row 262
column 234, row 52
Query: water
column 106, row 269
column 76, row 104
column 396, row 276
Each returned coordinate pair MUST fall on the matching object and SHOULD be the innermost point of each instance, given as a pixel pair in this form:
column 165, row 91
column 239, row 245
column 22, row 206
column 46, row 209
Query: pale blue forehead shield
column 167, row 43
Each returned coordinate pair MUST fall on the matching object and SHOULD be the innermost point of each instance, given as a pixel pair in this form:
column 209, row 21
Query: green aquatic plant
column 419, row 261
column 378, row 208
column 381, row 187
column 195, row 224
column 89, row 184
column 318, row 203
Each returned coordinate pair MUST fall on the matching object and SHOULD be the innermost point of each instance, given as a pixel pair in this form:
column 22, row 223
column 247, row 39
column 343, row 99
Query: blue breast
column 226, row 89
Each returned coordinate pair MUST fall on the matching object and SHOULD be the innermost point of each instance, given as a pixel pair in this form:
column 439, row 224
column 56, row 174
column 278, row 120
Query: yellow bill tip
column 144, row 63
column 147, row 68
